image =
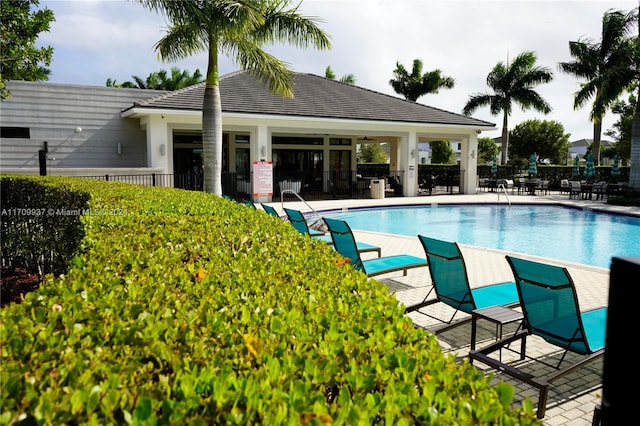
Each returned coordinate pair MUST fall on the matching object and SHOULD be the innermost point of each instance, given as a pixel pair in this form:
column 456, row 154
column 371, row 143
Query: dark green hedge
column 185, row 308
column 40, row 225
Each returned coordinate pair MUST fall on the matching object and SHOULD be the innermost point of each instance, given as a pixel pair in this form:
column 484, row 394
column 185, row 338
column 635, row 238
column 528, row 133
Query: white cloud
column 96, row 40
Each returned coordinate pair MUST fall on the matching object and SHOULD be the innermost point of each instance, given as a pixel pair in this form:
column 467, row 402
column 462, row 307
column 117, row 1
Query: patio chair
column 600, row 189
column 345, row 243
column 451, row 284
column 249, row 203
column 297, row 219
column 575, row 189
column 270, row 210
column 551, row 311
column 543, row 187
column 521, row 185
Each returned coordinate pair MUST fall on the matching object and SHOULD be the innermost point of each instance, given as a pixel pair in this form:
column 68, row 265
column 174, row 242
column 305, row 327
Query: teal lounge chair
column 296, row 218
column 270, row 210
column 451, row 284
column 345, row 243
column 249, row 203
column 551, row 311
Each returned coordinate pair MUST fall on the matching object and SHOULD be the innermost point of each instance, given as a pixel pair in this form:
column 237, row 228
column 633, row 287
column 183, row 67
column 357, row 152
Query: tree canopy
column 160, row 80
column 441, row 152
column 416, row 84
column 487, row 149
column 546, row 138
column 239, row 30
column 512, row 83
column 347, row 78
column 372, row 153
column 601, row 65
column 20, row 59
column 620, row 132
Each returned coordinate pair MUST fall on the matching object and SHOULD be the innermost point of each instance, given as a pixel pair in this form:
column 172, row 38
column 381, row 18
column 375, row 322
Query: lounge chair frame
column 549, row 282
column 297, row 219
column 345, row 243
column 451, row 284
column 270, row 210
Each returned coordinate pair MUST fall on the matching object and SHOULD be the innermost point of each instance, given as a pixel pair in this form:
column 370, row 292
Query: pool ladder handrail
column 504, row 189
column 315, row 213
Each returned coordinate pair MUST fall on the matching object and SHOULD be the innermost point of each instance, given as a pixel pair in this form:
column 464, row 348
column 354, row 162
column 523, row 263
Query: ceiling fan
column 366, row 139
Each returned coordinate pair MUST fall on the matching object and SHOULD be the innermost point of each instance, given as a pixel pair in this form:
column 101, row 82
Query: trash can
column 377, row 188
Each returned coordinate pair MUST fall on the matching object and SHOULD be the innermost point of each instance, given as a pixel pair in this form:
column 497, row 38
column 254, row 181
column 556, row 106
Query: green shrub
column 40, row 225
column 185, row 308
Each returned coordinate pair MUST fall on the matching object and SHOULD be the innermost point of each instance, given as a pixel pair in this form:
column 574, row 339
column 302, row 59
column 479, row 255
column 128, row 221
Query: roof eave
column 139, row 112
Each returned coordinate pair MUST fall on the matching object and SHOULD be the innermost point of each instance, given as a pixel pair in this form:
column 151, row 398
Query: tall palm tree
column 417, row 84
column 632, row 74
column 511, row 83
column 239, row 29
column 595, row 62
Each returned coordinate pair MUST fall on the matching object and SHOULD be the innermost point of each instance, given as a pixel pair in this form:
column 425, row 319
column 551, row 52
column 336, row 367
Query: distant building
column 580, row 146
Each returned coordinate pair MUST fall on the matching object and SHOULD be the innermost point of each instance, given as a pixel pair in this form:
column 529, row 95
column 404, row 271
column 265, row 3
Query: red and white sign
column 262, row 178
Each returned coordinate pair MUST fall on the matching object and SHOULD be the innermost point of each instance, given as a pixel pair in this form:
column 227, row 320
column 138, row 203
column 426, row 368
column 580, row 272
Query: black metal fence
column 432, row 180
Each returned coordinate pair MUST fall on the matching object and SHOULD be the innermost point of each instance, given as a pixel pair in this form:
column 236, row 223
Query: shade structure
column 615, row 169
column 576, row 167
column 533, row 165
column 589, row 168
column 494, row 165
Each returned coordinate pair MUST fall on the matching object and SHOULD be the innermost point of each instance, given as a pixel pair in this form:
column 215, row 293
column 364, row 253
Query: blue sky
column 99, row 39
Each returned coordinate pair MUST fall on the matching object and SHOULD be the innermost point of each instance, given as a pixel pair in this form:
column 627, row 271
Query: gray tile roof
column 314, row 96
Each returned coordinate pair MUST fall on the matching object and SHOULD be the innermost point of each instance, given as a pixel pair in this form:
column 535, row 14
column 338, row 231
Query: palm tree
column 239, row 29
column 626, row 77
column 417, row 84
column 595, row 61
column 512, row 83
column 347, row 78
column 162, row 81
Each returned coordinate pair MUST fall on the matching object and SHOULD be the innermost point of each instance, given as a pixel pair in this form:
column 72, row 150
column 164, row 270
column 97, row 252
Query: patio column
column 469, row 164
column 410, row 158
column 159, row 144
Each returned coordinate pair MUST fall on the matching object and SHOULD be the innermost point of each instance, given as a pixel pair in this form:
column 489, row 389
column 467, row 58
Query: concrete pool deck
column 572, row 399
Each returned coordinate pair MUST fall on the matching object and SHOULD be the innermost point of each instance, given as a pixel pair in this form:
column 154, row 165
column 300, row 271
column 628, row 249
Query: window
column 15, row 132
column 296, row 140
column 242, row 139
column 340, row 141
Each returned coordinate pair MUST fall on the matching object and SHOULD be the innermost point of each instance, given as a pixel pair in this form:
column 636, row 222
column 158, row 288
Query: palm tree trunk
column 212, row 140
column 505, row 138
column 634, row 171
column 595, row 146
column 212, row 126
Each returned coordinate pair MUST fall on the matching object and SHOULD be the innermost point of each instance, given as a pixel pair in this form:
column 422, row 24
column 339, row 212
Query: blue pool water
column 574, row 235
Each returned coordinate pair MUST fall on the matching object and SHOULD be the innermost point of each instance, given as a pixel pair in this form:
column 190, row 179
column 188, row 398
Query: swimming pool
column 574, row 235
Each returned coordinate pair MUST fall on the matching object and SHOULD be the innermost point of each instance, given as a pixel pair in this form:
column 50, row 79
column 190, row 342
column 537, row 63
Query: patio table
column 586, row 191
column 531, row 187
